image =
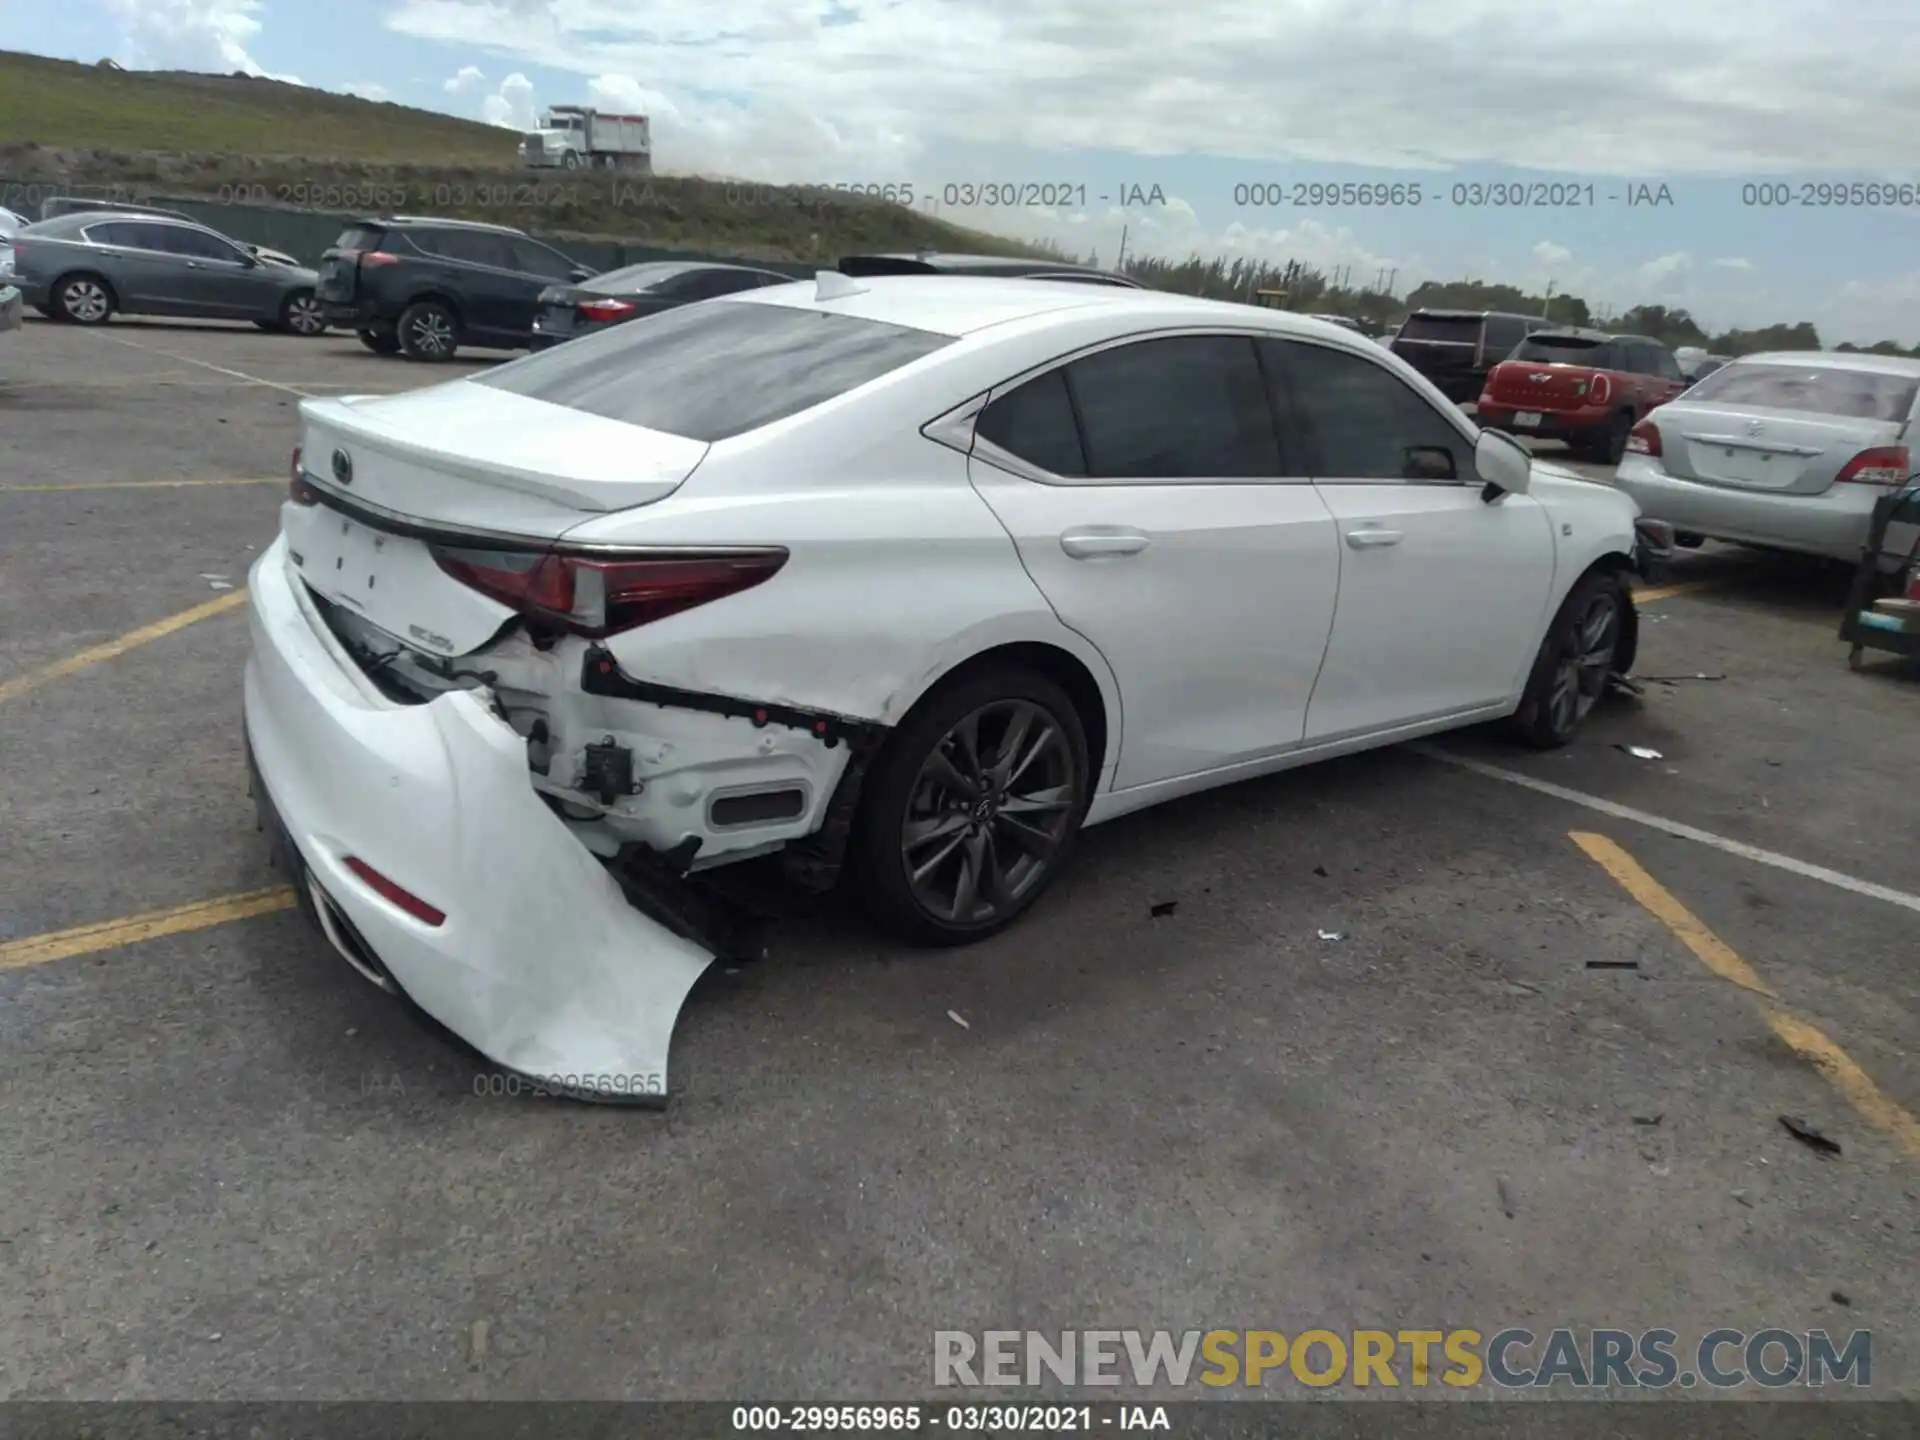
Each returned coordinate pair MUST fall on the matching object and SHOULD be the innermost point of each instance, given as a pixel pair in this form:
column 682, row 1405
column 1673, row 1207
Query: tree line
column 1305, row 288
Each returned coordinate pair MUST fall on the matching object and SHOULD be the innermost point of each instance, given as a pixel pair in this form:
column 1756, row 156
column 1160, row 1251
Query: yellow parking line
column 127, row 485
column 1868, row 1100
column 33, row 679
column 1651, row 593
column 132, row 929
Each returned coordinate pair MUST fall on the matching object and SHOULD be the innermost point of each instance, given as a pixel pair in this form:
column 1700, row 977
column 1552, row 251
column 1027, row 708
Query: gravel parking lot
column 1434, row 1036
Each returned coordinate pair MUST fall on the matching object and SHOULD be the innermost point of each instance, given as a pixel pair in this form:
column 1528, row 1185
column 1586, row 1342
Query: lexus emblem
column 1754, row 427
column 343, row 467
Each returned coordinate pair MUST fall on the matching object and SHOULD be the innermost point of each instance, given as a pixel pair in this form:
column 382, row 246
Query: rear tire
column 990, row 776
column 84, row 300
column 428, row 332
column 1571, row 672
column 378, row 343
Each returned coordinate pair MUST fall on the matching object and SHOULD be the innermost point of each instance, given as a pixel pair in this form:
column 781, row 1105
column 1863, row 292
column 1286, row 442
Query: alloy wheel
column 1581, row 676
column 303, row 315
column 988, row 813
column 86, row 300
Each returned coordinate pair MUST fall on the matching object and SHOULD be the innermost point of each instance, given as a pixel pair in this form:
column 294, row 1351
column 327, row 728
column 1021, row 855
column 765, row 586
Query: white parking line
column 1674, row 827
column 208, row 365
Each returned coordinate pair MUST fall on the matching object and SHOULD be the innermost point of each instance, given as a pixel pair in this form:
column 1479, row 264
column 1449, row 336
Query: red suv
column 1584, row 387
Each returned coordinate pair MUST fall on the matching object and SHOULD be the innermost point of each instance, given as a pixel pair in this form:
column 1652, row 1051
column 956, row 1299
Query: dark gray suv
column 86, row 267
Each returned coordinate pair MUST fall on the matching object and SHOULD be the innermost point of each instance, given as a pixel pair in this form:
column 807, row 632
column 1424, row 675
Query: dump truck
column 577, row 137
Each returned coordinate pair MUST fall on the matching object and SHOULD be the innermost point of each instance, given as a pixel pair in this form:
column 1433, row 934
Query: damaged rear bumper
column 538, row 961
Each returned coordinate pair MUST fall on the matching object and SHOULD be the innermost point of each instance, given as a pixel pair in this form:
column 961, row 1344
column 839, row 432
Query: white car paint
column 1257, row 628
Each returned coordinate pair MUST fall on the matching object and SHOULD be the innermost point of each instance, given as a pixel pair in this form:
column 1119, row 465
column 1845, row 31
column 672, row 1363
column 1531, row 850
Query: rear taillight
column 298, row 490
column 607, row 309
column 1644, row 439
column 597, row 596
column 1882, row 465
column 1599, row 391
column 395, row 894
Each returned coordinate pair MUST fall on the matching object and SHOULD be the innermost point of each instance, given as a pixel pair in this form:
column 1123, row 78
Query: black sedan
column 568, row 311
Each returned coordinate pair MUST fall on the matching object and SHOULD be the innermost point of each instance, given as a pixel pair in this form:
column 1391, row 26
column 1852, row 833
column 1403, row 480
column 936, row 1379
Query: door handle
column 1093, row 544
column 1372, row 539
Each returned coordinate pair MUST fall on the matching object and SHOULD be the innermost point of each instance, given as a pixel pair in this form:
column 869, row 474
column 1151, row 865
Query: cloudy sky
column 1191, row 124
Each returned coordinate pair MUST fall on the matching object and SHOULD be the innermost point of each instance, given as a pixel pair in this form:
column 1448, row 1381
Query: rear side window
column 1568, row 350
column 1457, row 329
column 709, row 372
column 1187, row 407
column 1035, row 423
column 1815, row 389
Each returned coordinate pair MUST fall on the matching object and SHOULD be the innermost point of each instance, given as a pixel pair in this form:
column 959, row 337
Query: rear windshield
column 1462, row 329
column 1816, row 389
column 360, row 237
column 1565, row 350
column 709, row 372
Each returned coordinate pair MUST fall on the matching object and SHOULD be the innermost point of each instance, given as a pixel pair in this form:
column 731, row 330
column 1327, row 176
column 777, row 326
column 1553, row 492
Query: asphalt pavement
column 1393, row 1041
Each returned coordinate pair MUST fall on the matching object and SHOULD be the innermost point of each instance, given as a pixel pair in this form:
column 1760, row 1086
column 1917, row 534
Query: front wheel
column 973, row 807
column 1570, row 673
column 427, row 331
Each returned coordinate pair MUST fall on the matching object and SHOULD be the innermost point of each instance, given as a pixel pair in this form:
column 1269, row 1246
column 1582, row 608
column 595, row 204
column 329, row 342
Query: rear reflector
column 607, row 309
column 393, row 893
column 1644, row 439
column 1882, row 465
column 604, row 596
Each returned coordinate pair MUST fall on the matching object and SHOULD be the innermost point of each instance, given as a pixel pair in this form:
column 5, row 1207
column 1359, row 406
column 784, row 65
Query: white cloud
column 1734, row 262
column 469, row 79
column 365, row 89
column 511, row 105
column 1738, row 89
column 190, row 35
column 1548, row 253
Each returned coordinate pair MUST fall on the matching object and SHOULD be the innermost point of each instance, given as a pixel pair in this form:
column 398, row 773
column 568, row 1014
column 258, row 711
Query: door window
column 1186, row 407
column 1360, row 421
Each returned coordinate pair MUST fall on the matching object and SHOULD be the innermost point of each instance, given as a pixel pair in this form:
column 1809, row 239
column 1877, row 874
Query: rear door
column 1442, row 595
column 1145, row 487
column 1789, row 429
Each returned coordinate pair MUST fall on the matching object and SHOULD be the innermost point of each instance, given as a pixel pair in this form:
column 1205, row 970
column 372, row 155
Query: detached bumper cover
column 541, row 964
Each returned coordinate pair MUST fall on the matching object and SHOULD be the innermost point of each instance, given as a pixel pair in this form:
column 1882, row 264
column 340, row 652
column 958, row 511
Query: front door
column 1145, row 487
column 1442, row 594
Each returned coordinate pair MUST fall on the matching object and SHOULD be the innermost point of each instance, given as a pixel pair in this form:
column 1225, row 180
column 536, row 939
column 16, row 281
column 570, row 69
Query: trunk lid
column 457, row 465
column 1782, row 451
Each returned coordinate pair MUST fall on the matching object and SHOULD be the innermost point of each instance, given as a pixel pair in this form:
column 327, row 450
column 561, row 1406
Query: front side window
column 1361, row 421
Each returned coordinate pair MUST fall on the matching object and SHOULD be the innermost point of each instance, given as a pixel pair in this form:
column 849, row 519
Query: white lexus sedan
column 914, row 577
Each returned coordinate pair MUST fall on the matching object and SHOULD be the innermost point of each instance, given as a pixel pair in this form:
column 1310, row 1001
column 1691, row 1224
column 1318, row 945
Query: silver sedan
column 87, row 266
column 1787, row 450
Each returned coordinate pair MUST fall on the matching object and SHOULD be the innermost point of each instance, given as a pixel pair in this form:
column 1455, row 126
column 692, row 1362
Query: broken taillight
column 607, row 309
column 604, row 595
column 298, row 490
column 395, row 894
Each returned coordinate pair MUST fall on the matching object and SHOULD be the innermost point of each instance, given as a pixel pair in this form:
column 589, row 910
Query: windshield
column 1587, row 350
column 708, row 372
column 1814, row 389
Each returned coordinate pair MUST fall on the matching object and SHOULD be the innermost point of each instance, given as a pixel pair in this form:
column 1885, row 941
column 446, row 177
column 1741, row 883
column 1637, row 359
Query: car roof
column 962, row 305
column 401, row 222
column 1835, row 360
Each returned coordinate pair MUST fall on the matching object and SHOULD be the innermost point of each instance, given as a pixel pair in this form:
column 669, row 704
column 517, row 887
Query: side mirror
column 1428, row 462
column 1504, row 465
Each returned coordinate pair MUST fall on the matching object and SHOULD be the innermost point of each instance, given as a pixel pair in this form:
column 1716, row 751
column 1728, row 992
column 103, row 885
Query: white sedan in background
column 911, row 576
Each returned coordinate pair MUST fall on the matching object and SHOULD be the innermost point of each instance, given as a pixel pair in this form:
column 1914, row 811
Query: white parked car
column 918, row 576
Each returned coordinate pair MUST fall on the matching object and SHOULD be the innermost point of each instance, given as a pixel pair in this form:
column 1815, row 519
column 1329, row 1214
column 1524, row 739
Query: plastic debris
column 958, row 1019
column 1810, row 1137
column 1641, row 752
